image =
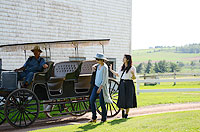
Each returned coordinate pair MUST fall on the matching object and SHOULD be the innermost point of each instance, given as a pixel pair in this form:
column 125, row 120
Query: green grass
column 166, row 122
column 146, row 99
column 165, row 54
column 168, row 85
column 188, row 70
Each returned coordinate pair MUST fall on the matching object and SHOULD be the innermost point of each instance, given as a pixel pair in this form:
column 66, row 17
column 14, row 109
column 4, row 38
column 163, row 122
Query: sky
column 165, row 23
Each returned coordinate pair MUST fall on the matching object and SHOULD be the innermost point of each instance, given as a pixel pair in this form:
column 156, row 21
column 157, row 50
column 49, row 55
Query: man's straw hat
column 37, row 48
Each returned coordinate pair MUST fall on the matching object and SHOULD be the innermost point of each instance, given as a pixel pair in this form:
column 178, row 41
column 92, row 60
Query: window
column 113, row 62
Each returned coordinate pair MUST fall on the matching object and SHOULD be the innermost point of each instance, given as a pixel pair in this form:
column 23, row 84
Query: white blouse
column 127, row 76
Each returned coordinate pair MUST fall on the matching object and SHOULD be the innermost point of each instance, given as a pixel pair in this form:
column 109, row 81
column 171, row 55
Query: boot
column 126, row 116
column 123, row 114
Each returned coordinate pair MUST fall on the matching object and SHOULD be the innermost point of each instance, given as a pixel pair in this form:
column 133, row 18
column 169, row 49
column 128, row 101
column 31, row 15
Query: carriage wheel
column 78, row 107
column 2, row 117
column 112, row 109
column 21, row 108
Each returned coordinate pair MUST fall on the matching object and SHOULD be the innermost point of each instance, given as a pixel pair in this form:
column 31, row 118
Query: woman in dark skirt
column 126, row 95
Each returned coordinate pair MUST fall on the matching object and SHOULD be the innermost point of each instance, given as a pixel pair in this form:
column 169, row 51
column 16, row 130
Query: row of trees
column 157, row 67
column 192, row 48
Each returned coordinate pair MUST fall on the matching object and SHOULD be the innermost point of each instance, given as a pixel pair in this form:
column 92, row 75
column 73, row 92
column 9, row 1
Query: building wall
column 55, row 20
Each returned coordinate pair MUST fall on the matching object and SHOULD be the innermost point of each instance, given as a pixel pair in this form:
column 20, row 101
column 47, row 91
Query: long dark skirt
column 126, row 95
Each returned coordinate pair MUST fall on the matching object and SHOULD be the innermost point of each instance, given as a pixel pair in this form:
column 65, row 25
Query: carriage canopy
column 54, row 44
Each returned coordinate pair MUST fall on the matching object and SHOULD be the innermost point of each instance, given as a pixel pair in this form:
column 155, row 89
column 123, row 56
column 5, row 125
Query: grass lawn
column 168, row 85
column 166, row 122
column 146, row 99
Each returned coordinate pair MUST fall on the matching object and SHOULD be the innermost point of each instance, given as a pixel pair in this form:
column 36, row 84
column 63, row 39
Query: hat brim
column 101, row 58
column 38, row 50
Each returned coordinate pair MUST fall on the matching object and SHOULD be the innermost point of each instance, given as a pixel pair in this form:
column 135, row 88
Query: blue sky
column 165, row 23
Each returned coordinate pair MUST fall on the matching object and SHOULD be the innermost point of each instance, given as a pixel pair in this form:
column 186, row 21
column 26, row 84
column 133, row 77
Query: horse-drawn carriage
column 65, row 84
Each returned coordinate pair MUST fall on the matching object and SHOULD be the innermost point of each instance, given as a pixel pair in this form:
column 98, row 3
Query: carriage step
column 65, row 113
column 67, row 102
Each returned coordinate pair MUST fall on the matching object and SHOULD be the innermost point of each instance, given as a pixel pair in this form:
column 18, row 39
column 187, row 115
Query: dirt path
column 69, row 120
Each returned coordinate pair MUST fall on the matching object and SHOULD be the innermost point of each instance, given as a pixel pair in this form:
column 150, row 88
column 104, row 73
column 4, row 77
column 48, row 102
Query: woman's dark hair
column 129, row 59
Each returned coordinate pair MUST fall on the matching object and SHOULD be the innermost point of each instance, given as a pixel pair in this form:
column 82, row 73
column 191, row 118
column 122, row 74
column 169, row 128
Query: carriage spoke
column 28, row 105
column 1, row 118
column 113, row 107
column 79, row 106
column 14, row 101
column 75, row 106
column 30, row 100
column 114, row 102
column 13, row 111
column 17, row 118
column 109, row 87
column 31, row 108
column 98, row 106
column 20, row 120
column 34, row 114
column 107, row 106
column 115, row 95
column 26, row 99
column 110, row 109
column 113, row 88
column 28, row 116
column 20, row 97
column 114, row 99
column 14, row 115
column 84, row 105
column 24, row 118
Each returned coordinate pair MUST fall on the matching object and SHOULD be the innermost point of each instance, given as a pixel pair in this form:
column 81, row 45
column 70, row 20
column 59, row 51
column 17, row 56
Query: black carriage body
column 70, row 79
column 66, row 84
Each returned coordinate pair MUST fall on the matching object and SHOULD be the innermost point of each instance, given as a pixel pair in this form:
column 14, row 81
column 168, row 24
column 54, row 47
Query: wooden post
column 174, row 78
column 144, row 79
column 137, row 85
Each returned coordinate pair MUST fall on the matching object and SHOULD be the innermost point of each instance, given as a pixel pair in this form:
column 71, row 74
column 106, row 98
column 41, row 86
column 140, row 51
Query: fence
column 157, row 80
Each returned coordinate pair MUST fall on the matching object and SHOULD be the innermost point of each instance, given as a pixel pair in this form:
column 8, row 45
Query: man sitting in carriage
column 33, row 64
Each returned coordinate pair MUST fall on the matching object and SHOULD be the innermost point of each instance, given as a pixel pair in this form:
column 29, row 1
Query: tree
column 148, row 67
column 192, row 65
column 156, row 68
column 139, row 68
column 181, row 64
column 173, row 67
column 163, row 66
column 191, row 48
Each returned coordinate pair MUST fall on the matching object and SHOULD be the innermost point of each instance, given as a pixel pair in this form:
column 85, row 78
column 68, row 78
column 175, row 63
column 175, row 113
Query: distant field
column 167, row 54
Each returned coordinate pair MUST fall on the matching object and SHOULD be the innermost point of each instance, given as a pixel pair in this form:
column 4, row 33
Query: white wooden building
column 24, row 21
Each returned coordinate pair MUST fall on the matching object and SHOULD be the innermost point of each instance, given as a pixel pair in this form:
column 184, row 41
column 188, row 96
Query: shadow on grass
column 117, row 121
column 90, row 126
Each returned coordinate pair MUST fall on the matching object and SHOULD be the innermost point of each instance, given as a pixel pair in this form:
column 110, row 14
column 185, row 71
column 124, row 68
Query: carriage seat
column 84, row 78
column 68, row 70
column 43, row 77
